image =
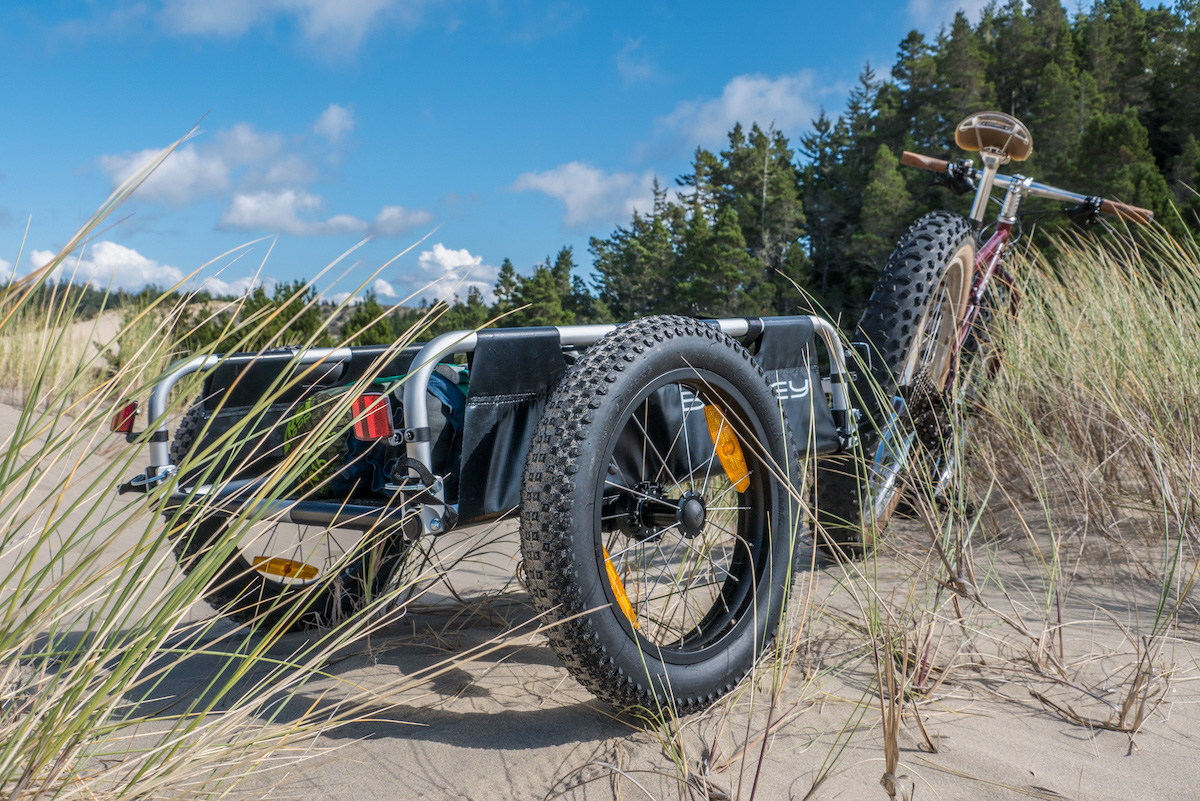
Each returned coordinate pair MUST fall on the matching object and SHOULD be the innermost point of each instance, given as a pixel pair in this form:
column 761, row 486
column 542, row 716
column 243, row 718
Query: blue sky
column 466, row 131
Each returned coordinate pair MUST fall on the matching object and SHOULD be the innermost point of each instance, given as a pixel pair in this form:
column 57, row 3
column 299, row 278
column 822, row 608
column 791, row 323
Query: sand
column 513, row 724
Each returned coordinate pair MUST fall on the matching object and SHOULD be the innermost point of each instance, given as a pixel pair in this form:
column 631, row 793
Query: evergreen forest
column 1110, row 93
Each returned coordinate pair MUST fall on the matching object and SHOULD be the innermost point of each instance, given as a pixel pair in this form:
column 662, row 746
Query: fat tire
column 850, row 521
column 243, row 594
column 562, row 533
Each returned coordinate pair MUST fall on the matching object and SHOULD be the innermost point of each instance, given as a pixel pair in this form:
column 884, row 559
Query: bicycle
column 925, row 326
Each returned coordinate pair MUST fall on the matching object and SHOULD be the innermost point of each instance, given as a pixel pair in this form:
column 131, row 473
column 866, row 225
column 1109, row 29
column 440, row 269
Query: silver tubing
column 156, row 406
column 1018, row 187
column 989, row 179
column 840, row 387
column 991, row 164
column 416, row 385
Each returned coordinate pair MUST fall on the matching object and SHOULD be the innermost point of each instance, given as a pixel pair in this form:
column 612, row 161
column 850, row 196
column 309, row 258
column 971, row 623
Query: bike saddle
column 994, row 132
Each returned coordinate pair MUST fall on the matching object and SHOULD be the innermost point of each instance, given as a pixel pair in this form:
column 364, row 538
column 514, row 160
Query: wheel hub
column 644, row 512
column 692, row 514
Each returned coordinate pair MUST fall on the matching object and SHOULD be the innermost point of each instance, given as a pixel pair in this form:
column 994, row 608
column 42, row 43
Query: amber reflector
column 287, row 568
column 728, row 449
column 372, row 417
column 618, row 587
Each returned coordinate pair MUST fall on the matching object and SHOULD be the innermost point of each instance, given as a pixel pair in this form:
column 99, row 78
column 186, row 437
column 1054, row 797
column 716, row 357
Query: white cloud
column 281, row 210
column 392, row 220
column 337, row 27
column 107, row 264
column 445, row 273
column 264, row 177
column 385, row 293
column 787, row 102
column 6, row 270
column 590, row 194
column 931, row 14
column 291, row 169
column 235, row 288
column 186, row 175
column 243, row 144
column 193, row 171
column 221, row 17
column 634, row 67
column 334, row 123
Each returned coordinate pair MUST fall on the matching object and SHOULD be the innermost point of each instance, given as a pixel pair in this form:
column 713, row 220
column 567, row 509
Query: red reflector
column 372, row 417
column 122, row 421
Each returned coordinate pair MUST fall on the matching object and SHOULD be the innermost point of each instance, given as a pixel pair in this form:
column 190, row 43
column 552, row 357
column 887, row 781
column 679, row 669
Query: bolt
column 435, row 524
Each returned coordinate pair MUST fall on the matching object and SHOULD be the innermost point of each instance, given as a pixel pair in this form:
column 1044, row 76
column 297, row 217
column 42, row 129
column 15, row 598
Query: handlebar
column 1122, row 210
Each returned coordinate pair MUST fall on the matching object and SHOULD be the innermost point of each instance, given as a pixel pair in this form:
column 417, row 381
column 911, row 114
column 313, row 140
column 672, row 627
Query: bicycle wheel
column 657, row 522
column 276, row 572
column 910, row 326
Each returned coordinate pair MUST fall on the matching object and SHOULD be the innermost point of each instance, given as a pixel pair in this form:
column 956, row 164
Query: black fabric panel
column 243, row 378
column 677, row 431
column 240, row 383
column 513, row 372
column 788, row 354
column 259, row 445
column 517, row 361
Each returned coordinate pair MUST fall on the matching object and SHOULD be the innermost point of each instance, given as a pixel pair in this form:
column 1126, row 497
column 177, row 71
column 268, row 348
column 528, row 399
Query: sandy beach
column 1007, row 708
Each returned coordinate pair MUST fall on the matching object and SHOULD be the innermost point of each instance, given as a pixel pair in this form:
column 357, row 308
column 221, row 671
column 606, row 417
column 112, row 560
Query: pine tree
column 1115, row 153
column 368, row 323
column 506, row 286
column 886, row 212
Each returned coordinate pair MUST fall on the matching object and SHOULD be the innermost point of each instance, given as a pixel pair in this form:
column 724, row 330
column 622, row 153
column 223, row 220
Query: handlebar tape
column 924, row 162
column 1125, row 212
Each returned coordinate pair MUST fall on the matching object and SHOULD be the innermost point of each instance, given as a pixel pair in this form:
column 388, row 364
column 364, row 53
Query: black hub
column 692, row 514
column 645, row 511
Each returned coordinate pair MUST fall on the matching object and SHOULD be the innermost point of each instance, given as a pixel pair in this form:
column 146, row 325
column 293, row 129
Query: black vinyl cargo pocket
column 513, row 372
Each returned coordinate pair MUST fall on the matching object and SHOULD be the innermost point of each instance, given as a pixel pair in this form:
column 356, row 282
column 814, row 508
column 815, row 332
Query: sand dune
column 1001, row 715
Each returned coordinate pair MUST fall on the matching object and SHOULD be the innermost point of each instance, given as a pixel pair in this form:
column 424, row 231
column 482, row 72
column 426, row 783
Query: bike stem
column 991, row 165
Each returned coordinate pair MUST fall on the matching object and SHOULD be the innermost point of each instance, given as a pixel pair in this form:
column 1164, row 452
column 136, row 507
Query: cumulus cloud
column 264, row 175
column 392, row 220
column 788, row 102
column 385, row 293
column 245, row 144
column 291, row 169
column 334, row 123
column 634, row 67
column 337, row 27
column 194, row 171
column 107, row 264
column 930, row 14
column 444, row 273
column 187, row 174
column 591, row 195
column 280, row 211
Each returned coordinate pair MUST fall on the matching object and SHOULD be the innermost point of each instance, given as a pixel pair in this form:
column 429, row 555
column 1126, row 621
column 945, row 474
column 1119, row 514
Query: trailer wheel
column 662, row 560
column 910, row 325
column 275, row 573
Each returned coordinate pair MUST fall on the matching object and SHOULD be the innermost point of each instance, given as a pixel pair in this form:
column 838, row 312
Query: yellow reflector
column 285, row 567
column 728, row 449
column 619, row 589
